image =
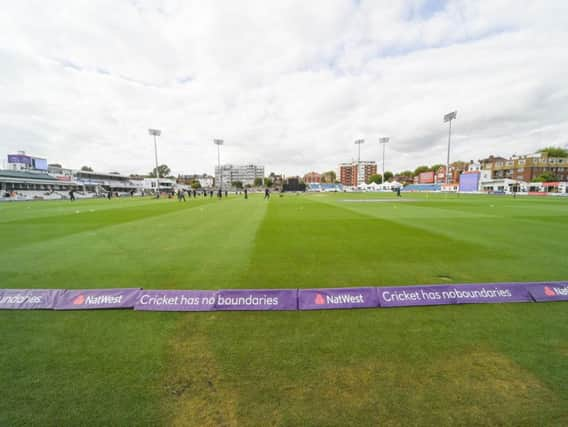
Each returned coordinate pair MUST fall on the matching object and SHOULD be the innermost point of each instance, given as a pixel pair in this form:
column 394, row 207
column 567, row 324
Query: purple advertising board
column 552, row 291
column 28, row 299
column 20, row 158
column 256, row 299
column 95, row 299
column 478, row 293
column 469, row 182
column 335, row 298
column 176, row 300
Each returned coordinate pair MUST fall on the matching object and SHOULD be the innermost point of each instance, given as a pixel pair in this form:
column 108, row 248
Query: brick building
column 312, row 178
column 527, row 167
column 356, row 173
column 456, row 169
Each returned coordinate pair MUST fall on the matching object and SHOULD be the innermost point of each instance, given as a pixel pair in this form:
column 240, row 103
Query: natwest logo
column 339, row 299
column 80, row 300
column 97, row 300
column 556, row 291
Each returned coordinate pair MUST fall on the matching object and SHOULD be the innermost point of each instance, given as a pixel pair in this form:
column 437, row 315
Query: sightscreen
column 40, row 164
column 469, row 182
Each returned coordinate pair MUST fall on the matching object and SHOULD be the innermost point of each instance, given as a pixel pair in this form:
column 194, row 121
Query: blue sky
column 287, row 84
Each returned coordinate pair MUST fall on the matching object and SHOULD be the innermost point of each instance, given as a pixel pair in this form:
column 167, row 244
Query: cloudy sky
column 288, row 84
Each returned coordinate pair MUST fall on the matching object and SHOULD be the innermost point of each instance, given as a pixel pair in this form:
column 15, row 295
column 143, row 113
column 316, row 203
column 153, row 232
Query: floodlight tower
column 358, row 142
column 448, row 118
column 218, row 143
column 383, row 141
column 155, row 133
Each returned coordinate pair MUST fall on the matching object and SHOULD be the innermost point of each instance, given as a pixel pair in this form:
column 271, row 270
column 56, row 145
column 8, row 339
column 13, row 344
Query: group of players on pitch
column 204, row 193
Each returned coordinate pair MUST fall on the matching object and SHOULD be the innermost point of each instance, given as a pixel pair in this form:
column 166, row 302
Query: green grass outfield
column 449, row 365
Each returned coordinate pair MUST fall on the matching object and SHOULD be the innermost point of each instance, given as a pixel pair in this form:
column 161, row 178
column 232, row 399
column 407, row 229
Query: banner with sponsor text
column 28, row 299
column 223, row 300
column 336, row 298
column 546, row 292
column 481, row 293
column 96, row 299
column 281, row 299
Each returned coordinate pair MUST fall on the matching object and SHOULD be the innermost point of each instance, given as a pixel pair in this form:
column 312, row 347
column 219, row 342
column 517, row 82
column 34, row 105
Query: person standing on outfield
column 266, row 194
column 246, row 193
column 109, row 194
column 72, row 195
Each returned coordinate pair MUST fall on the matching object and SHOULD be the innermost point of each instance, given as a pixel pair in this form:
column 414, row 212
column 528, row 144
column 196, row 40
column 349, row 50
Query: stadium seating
column 422, row 187
column 324, row 187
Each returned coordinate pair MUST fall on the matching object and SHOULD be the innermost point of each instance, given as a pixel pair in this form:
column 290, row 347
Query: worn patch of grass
column 195, row 392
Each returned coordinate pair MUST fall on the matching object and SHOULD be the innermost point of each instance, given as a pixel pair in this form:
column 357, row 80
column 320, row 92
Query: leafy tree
column 87, row 169
column 437, row 166
column 459, row 165
column 195, row 185
column 267, row 182
column 258, row 182
column 407, row 173
column 546, row 177
column 164, row 170
column 388, row 176
column 376, row 178
column 329, row 177
column 421, row 169
column 554, row 151
column 237, row 184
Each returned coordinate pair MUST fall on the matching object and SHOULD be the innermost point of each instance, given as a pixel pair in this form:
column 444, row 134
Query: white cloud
column 286, row 84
